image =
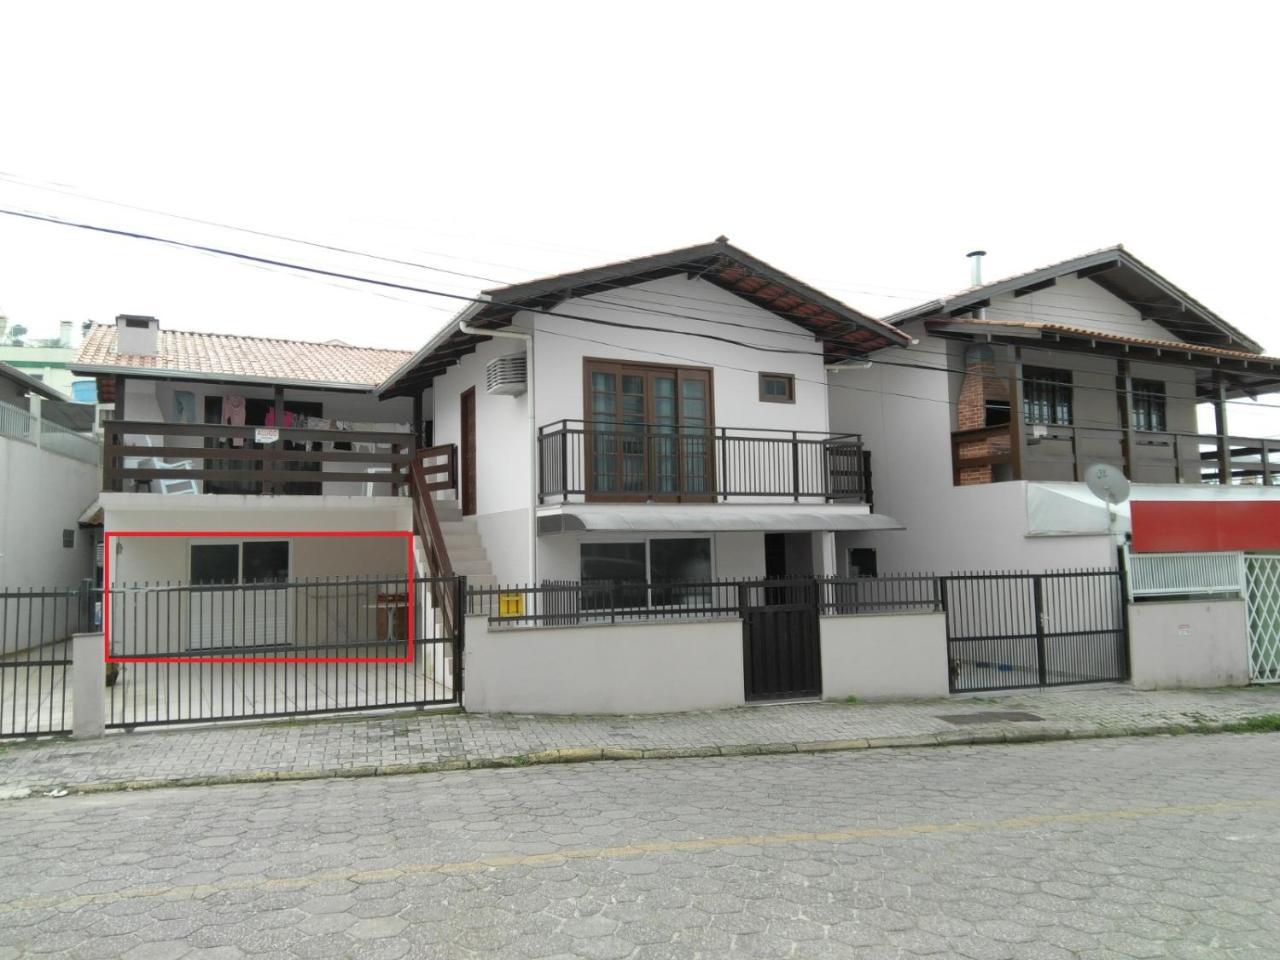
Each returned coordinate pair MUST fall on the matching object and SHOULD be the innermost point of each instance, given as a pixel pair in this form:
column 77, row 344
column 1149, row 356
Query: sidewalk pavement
column 419, row 742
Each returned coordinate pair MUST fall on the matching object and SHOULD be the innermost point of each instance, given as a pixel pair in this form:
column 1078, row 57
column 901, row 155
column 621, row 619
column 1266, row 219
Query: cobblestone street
column 1119, row 848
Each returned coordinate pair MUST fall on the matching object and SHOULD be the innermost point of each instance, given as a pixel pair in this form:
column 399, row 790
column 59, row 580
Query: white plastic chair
column 168, row 485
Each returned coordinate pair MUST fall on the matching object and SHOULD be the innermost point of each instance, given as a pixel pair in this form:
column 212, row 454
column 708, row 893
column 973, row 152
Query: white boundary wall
column 892, row 656
column 1188, row 644
column 651, row 667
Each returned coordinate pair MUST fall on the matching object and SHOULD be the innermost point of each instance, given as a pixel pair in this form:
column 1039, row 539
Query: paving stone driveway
column 1119, row 848
column 404, row 743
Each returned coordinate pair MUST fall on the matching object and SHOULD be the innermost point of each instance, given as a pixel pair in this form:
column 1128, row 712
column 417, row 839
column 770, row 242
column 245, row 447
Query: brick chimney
column 137, row 336
column 983, row 402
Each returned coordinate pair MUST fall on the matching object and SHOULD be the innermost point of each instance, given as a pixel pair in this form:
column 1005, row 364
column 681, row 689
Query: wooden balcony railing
column 615, row 462
column 213, row 458
column 1058, row 452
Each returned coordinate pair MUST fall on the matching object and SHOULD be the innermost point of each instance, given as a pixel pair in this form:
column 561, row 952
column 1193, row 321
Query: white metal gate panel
column 1263, row 606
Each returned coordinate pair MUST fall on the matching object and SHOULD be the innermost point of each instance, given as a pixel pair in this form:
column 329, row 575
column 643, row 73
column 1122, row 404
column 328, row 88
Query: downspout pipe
column 464, row 327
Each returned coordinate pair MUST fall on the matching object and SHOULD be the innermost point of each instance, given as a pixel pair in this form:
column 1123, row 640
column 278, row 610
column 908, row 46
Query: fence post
column 1038, row 590
column 459, row 635
column 1126, row 598
column 88, row 686
column 795, row 466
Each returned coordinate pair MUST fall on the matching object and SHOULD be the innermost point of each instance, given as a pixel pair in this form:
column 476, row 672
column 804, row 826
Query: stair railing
column 434, row 469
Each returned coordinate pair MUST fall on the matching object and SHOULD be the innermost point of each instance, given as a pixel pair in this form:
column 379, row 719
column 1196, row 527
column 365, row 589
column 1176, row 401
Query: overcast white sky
column 863, row 147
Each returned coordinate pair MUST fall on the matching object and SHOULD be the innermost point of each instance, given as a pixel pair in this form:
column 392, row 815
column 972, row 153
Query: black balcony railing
column 607, row 461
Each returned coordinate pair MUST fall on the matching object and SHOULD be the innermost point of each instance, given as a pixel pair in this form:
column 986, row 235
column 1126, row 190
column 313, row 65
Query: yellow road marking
column 639, row 849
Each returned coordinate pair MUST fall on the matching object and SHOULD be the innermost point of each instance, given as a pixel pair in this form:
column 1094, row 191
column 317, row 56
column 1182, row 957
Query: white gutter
column 464, row 327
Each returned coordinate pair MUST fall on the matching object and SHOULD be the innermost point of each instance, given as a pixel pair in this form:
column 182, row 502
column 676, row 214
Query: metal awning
column 677, row 517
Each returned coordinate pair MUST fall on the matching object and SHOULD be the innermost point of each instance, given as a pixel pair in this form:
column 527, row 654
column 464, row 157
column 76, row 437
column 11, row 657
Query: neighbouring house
column 658, row 419
column 984, row 429
column 238, row 450
column 48, row 475
column 46, row 359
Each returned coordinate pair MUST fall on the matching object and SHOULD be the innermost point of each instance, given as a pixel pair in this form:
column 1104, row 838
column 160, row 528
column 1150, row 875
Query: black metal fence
column 896, row 593
column 1007, row 630
column 183, row 653
column 566, row 602
column 616, row 461
column 36, row 626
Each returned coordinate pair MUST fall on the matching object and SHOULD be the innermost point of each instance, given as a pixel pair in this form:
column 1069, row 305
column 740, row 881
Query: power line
column 1051, row 310
column 337, row 275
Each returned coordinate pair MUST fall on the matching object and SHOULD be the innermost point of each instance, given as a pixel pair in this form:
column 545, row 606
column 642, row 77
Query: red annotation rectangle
column 110, row 537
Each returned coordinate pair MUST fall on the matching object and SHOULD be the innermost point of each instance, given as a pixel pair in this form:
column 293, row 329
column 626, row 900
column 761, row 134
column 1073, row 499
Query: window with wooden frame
column 1046, row 396
column 777, row 388
column 1149, row 406
column 649, row 431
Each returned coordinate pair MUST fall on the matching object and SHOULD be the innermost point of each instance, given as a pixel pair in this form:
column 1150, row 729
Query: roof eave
column 31, row 384
column 204, row 376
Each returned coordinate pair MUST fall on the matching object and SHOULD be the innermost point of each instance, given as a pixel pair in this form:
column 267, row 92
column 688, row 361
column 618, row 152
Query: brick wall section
column 981, row 383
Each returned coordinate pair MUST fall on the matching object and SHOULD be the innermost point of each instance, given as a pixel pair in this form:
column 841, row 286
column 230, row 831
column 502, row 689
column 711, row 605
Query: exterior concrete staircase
column 462, row 540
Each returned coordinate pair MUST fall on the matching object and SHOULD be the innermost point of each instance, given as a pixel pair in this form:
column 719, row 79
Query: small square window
column 68, row 538
column 777, row 388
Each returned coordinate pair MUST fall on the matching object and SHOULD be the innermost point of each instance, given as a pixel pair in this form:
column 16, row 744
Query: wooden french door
column 649, row 432
column 469, row 452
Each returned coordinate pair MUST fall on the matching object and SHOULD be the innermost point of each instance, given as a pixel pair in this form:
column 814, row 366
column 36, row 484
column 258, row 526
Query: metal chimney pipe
column 975, row 267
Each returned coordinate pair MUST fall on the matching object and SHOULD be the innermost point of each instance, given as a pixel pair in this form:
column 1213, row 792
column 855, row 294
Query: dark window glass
column 680, row 560
column 997, row 413
column 266, row 561
column 68, row 538
column 1046, row 396
column 613, row 575
column 1149, row 406
column 215, row 563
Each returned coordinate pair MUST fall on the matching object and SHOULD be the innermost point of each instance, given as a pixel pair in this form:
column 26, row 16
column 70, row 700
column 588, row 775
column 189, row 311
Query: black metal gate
column 196, row 654
column 36, row 626
column 781, row 650
column 1008, row 630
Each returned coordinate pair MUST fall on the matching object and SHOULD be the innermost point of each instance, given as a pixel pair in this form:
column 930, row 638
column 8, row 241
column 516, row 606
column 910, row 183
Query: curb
column 594, row 754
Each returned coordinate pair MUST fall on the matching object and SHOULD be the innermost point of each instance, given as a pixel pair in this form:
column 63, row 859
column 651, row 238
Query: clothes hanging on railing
column 233, row 414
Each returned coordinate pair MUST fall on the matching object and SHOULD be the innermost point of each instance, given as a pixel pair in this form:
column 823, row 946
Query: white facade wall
column 649, row 667
column 1188, row 644
column 895, row 656
column 158, row 559
column 41, row 495
column 563, row 344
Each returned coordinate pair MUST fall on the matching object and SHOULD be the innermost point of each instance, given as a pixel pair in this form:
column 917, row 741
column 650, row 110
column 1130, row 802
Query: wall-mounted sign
column 265, row 435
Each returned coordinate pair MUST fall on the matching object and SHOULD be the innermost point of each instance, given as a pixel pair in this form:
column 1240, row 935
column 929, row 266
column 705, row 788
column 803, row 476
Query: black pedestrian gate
column 781, row 650
column 1008, row 630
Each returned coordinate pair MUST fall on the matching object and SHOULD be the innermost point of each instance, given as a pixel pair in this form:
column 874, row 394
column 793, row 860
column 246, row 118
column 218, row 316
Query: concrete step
column 459, row 526
column 469, row 568
column 459, row 552
column 463, row 541
column 448, row 511
column 481, row 580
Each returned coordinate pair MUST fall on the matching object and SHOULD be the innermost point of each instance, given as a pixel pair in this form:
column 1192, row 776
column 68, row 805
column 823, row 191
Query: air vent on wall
column 506, row 375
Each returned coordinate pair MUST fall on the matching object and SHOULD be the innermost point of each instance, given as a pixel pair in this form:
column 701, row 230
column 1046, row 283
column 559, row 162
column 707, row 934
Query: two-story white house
column 663, row 418
column 983, row 431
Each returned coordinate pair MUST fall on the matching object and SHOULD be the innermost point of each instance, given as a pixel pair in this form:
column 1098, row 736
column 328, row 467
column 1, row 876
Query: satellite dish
column 1107, row 483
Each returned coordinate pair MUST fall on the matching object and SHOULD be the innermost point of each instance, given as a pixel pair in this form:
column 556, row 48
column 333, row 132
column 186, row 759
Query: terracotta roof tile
column 219, row 354
column 1179, row 346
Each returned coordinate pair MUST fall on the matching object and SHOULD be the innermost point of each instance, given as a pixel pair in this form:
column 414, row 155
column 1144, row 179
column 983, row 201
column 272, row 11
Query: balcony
column 1062, row 453
column 611, row 462
column 183, row 458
